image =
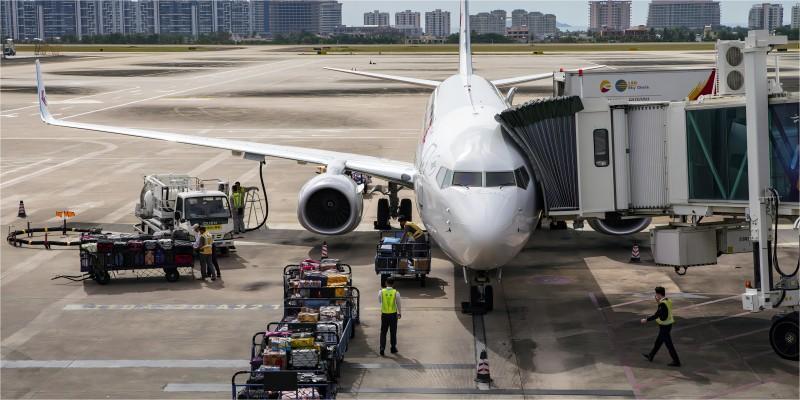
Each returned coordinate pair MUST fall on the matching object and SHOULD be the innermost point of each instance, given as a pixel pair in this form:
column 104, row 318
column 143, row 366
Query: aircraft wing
column 396, row 171
column 531, row 78
column 413, row 81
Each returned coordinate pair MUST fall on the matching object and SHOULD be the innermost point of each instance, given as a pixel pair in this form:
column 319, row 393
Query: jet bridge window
column 469, row 179
column 504, row 178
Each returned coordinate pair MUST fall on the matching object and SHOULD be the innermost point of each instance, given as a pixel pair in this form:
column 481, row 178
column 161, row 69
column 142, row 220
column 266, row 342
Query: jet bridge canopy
column 545, row 131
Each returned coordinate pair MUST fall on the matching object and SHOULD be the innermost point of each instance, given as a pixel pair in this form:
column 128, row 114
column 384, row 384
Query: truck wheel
column 406, row 208
column 783, row 336
column 172, row 274
column 383, row 214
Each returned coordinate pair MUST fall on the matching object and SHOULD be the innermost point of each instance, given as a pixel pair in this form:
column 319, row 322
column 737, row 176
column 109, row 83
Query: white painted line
column 170, row 307
column 790, row 245
column 104, row 364
column 26, row 166
column 36, row 104
column 215, row 83
column 11, row 182
column 197, row 387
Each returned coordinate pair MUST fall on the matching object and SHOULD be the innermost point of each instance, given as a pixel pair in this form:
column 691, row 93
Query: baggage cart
column 105, row 256
column 280, row 385
column 402, row 260
column 293, row 272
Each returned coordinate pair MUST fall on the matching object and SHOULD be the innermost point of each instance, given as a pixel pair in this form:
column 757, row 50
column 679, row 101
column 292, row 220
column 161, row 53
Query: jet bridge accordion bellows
column 544, row 129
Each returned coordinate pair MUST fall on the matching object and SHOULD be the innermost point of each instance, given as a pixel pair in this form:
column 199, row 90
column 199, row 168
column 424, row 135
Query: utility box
column 684, row 246
column 731, row 240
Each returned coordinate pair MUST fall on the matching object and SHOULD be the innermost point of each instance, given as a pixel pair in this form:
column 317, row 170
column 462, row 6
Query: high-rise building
column 483, row 23
column 691, row 14
column 541, row 25
column 519, row 18
column 796, row 16
column 765, row 16
column 407, row 18
column 613, row 15
column 330, row 17
column 437, row 23
column 376, row 18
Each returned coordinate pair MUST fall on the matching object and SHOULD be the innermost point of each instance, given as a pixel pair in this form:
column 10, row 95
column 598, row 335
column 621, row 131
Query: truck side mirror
column 177, row 215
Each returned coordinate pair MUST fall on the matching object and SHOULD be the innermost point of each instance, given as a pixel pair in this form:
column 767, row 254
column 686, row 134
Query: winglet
column 42, row 94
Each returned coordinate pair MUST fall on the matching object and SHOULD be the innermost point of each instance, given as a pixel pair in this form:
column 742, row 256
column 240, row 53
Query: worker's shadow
column 410, row 288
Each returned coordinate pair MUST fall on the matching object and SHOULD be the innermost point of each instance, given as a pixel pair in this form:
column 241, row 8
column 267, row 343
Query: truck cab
column 171, row 202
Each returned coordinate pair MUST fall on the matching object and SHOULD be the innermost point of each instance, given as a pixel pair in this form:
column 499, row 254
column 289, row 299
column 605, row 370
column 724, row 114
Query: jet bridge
column 733, row 153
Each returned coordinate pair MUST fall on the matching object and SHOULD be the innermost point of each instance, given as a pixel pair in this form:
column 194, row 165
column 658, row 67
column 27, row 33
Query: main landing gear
column 481, row 292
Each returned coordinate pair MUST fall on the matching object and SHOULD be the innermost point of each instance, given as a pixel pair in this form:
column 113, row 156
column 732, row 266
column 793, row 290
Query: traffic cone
column 21, row 213
column 635, row 257
column 324, row 249
column 483, row 375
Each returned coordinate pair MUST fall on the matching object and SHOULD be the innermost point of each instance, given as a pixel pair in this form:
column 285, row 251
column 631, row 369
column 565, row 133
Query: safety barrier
column 26, row 237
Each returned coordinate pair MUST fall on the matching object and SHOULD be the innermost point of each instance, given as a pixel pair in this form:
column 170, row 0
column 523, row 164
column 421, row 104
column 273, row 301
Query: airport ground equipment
column 281, row 384
column 176, row 202
column 9, row 50
column 105, row 256
column 46, row 236
column 402, row 260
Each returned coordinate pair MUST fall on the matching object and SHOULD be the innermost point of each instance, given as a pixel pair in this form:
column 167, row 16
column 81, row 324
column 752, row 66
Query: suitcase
column 184, row 260
column 274, row 358
column 337, row 280
column 149, row 257
column 304, row 358
column 87, row 261
column 183, row 247
column 308, row 317
column 105, row 246
column 279, row 343
column 422, row 265
column 302, row 343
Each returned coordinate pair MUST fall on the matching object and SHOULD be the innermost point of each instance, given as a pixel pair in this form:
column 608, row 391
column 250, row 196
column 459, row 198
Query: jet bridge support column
column 755, row 51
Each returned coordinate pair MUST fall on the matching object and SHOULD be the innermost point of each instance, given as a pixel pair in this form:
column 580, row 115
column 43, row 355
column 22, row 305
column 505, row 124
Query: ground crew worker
column 412, row 234
column 214, row 251
column 389, row 299
column 665, row 320
column 238, row 208
column 203, row 243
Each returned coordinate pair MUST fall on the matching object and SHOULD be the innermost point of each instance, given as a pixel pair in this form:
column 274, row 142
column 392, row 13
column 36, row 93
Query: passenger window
column 601, row 153
column 522, row 177
column 504, row 178
column 469, row 179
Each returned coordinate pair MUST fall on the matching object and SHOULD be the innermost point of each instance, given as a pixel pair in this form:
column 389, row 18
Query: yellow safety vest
column 238, row 198
column 388, row 306
column 416, row 231
column 669, row 320
column 208, row 241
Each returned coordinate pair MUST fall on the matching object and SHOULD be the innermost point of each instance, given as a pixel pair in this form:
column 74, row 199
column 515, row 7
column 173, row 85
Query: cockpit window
column 469, row 179
column 522, row 177
column 503, row 178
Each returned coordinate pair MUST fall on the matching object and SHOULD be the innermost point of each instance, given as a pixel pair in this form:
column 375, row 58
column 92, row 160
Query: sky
column 572, row 12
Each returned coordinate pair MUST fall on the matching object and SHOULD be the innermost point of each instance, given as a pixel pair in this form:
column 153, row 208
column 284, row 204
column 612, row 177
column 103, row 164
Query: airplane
column 475, row 192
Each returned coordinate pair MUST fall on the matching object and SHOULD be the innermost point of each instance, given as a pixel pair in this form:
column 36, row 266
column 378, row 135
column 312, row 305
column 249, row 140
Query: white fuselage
column 481, row 221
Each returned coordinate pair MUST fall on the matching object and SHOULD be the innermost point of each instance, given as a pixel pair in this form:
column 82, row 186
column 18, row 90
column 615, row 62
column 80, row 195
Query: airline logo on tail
column 43, row 97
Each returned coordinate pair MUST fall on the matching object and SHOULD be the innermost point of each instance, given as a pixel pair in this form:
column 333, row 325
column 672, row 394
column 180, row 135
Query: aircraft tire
column 406, row 208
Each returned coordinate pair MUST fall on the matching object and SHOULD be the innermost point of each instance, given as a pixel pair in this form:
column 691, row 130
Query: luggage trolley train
column 301, row 355
column 402, row 260
column 104, row 255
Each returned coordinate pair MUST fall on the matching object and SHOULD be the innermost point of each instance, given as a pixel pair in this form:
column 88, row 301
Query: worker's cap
column 196, row 226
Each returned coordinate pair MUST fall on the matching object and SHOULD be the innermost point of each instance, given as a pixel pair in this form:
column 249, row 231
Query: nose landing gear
column 481, row 293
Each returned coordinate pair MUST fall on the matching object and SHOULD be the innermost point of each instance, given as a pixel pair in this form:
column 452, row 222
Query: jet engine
column 330, row 204
column 613, row 224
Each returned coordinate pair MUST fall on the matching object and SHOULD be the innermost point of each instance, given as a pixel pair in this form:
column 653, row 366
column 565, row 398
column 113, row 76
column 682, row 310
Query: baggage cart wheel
column 172, row 274
column 784, row 338
column 102, row 277
column 406, row 208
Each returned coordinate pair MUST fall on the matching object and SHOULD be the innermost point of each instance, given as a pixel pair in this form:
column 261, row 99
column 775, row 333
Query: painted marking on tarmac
column 107, row 148
column 36, row 104
column 26, row 166
column 170, row 307
column 104, row 364
column 197, row 387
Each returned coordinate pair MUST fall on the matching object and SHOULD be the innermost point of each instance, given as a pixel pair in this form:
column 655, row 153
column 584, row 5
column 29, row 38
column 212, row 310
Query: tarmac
column 566, row 319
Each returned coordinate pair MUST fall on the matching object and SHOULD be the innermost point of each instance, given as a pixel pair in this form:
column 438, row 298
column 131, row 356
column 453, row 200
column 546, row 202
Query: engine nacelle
column 330, row 204
column 614, row 225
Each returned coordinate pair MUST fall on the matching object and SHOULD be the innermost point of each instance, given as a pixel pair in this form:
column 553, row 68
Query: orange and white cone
column 21, row 213
column 483, row 377
column 324, row 249
column 635, row 256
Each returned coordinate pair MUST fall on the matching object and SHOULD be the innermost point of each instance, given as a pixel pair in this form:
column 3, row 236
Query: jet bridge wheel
column 784, row 337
